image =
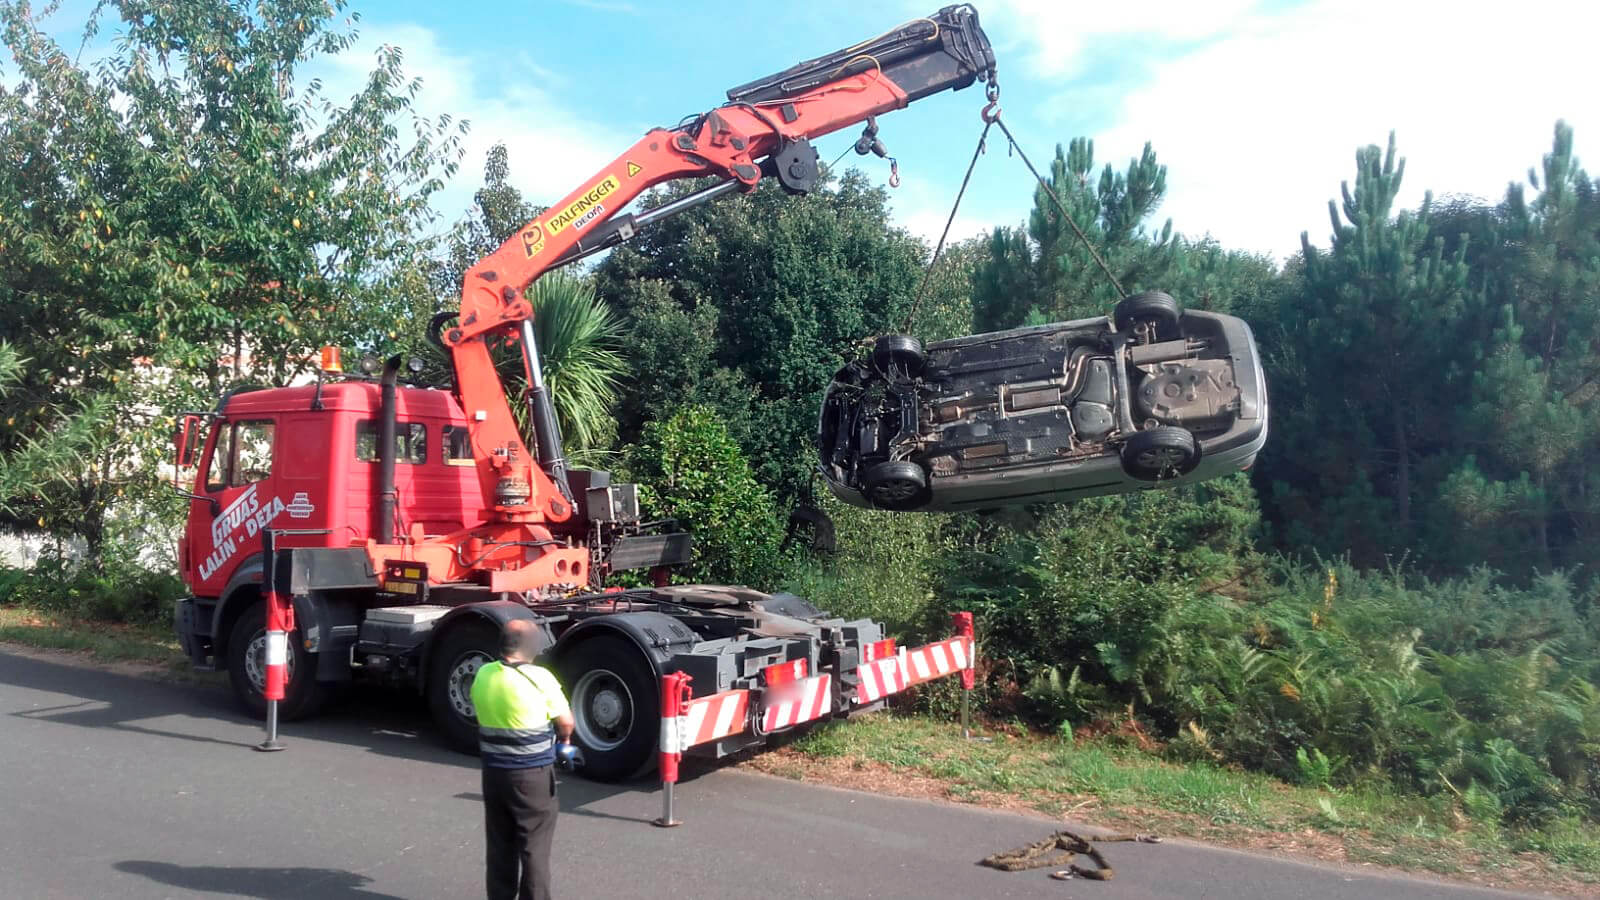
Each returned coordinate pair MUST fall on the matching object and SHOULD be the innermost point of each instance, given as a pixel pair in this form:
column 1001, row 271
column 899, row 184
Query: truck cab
column 306, row 459
column 305, row 462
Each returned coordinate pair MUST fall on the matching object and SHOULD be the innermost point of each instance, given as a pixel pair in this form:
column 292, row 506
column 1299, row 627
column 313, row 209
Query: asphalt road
column 116, row 786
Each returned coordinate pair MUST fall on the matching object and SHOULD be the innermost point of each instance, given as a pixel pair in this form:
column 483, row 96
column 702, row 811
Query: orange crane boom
column 764, row 130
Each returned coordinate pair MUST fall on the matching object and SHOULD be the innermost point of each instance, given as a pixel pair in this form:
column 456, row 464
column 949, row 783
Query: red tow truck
column 405, row 523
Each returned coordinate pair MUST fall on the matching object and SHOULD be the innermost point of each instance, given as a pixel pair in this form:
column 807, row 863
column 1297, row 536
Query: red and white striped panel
column 706, row 719
column 937, row 660
column 797, row 702
column 879, row 679
column 882, row 677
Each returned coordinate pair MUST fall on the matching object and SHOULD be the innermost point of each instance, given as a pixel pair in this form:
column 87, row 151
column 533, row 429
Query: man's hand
column 568, row 757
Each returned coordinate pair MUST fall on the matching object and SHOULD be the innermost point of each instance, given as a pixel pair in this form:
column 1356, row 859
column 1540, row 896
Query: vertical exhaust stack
column 383, row 524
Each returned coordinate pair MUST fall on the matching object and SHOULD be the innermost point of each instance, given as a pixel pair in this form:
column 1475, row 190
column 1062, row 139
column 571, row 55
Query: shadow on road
column 370, row 718
column 111, row 700
column 379, row 721
column 264, row 883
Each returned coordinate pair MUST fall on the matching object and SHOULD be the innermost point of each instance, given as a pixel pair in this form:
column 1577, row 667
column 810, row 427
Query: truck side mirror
column 185, row 439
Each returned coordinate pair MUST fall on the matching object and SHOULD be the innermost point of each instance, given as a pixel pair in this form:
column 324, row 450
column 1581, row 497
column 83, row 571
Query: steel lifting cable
column 991, row 117
column 927, row 275
column 1061, row 206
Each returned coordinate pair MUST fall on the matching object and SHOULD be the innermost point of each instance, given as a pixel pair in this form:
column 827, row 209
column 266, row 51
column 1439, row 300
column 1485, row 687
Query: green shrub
column 10, row 580
column 1315, row 768
column 1320, row 675
column 689, row 469
column 119, row 591
column 884, row 569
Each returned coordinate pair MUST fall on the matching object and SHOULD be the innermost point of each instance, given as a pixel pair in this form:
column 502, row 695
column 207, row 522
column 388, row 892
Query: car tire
column 303, row 696
column 451, row 667
column 1156, row 307
column 898, row 354
column 1160, row 453
column 616, row 707
column 896, row 486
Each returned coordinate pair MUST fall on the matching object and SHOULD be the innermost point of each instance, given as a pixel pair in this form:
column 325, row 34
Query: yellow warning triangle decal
column 634, row 168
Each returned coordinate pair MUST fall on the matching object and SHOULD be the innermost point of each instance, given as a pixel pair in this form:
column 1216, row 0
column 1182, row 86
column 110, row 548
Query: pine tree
column 1535, row 410
column 1376, row 329
column 1045, row 273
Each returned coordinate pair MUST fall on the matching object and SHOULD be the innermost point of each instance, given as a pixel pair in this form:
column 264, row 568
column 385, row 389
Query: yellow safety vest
column 514, row 706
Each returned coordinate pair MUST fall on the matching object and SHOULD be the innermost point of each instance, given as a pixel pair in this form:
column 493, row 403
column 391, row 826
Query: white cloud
column 1259, row 126
column 551, row 147
column 1055, row 37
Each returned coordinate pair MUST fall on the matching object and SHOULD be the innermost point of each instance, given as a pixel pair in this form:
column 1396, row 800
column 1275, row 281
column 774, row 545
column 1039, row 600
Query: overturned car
column 1151, row 396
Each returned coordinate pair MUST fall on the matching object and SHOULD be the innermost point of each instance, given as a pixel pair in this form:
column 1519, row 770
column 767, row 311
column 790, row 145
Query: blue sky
column 1256, row 106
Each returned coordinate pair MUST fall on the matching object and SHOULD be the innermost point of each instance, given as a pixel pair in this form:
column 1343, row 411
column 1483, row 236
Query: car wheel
column 896, row 485
column 1160, row 453
column 1155, row 307
column 303, row 696
column 898, row 354
column 616, row 707
column 451, row 668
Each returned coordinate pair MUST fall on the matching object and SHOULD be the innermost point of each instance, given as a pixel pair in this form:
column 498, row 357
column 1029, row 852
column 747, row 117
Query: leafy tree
column 498, row 210
column 775, row 291
column 192, row 201
column 49, row 456
column 943, row 307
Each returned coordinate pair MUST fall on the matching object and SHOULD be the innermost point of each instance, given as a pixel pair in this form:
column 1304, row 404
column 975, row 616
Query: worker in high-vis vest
column 524, row 728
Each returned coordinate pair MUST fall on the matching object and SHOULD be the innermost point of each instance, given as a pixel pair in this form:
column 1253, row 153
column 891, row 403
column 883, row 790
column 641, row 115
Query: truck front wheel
column 616, row 707
column 454, row 663
column 303, row 696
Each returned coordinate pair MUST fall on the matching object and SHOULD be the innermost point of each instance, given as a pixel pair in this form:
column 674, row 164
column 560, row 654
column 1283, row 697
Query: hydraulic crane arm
column 763, row 131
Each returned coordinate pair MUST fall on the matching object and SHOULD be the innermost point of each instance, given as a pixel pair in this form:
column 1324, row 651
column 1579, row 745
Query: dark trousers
column 519, row 811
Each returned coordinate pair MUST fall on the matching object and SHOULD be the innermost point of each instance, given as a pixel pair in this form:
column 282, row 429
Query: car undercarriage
column 1152, row 396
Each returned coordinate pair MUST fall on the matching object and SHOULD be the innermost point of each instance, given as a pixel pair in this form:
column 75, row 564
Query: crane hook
column 894, row 173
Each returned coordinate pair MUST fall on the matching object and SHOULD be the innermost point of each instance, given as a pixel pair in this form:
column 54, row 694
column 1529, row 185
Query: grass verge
column 151, row 645
column 1126, row 788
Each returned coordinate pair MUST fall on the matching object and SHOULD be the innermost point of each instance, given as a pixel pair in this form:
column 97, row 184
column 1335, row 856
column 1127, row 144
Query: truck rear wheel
column 303, row 696
column 616, row 707
column 453, row 665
